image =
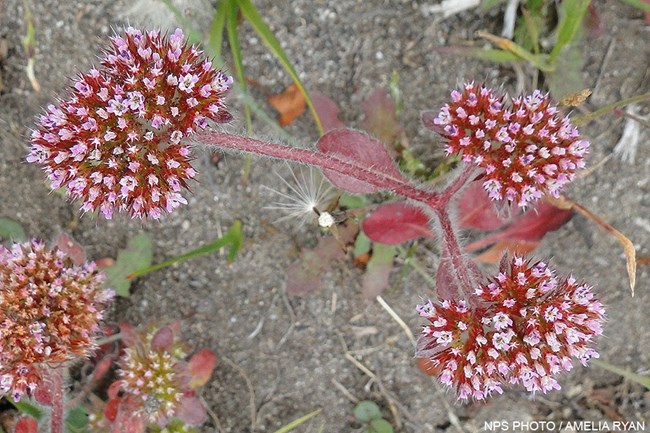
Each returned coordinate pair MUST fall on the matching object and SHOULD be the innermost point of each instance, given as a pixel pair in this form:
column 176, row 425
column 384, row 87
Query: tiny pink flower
column 513, row 333
column 149, row 93
column 526, row 148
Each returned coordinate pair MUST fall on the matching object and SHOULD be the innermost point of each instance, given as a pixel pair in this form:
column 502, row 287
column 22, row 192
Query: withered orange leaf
column 290, row 104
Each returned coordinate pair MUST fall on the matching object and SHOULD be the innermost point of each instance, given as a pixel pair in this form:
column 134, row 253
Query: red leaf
column 476, row 209
column 360, row 150
column 43, row 395
column 395, row 223
column 428, row 118
column 71, row 248
column 26, row 424
column 496, row 251
column 531, row 226
column 163, row 339
column 426, row 366
column 112, row 407
column 328, row 112
column 191, row 411
column 380, row 117
column 200, row 367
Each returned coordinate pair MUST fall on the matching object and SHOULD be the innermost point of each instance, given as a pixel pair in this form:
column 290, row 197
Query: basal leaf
column 376, row 278
column 380, row 117
column 200, row 367
column 328, row 112
column 138, row 254
column 396, row 223
column 367, row 410
column 71, row 248
column 360, row 150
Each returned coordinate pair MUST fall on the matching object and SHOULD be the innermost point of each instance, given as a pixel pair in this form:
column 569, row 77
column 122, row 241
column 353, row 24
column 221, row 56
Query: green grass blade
column 233, row 239
column 299, row 421
column 215, row 37
column 638, row 4
column 641, row 380
column 254, row 18
column 231, row 10
column 571, row 14
column 537, row 60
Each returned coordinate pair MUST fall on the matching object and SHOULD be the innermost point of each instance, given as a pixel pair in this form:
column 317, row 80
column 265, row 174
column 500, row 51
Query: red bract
column 50, row 312
column 524, row 328
column 117, row 142
column 156, row 384
column 526, row 149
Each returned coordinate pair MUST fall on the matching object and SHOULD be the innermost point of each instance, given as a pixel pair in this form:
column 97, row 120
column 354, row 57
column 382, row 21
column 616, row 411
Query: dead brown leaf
column 575, row 99
column 290, row 104
column 628, row 247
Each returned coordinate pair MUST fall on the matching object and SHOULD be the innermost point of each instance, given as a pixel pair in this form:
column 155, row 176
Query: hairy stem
column 322, row 160
column 58, row 397
column 459, row 267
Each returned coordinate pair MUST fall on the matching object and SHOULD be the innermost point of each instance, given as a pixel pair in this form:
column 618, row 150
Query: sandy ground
column 283, row 357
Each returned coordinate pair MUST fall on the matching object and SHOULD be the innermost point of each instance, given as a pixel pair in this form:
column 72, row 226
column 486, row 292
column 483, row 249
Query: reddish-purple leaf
column 26, row 424
column 361, row 151
column 163, row 339
column 476, row 209
column 327, row 111
column 428, row 120
column 531, row 226
column 395, row 223
column 376, row 278
column 71, row 248
column 200, row 367
column 191, row 411
column 380, row 117
column 303, row 275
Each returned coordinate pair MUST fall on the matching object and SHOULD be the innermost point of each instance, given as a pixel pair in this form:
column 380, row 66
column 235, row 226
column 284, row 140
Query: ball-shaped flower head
column 118, row 142
column 524, row 328
column 526, row 147
column 50, row 312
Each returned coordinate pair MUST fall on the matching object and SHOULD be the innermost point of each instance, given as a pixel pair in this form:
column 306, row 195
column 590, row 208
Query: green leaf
column 233, row 239
column 361, row 244
column 638, row 4
column 299, row 421
column 571, row 14
column 567, row 77
column 353, row 201
column 494, row 55
column 538, row 60
column 12, row 230
column 376, row 278
column 367, row 411
column 380, row 426
column 76, row 420
column 25, row 407
column 254, row 18
column 137, row 255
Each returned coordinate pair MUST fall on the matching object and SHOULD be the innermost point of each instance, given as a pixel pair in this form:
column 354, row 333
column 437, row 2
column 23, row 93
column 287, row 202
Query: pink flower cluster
column 117, row 142
column 526, row 149
column 524, row 328
column 49, row 313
